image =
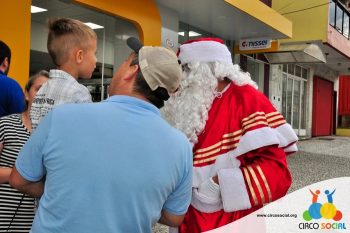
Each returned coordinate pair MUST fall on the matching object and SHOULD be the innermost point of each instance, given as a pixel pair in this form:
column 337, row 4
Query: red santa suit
column 244, row 142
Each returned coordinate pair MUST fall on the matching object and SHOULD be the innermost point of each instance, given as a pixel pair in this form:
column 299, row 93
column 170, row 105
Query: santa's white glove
column 209, row 189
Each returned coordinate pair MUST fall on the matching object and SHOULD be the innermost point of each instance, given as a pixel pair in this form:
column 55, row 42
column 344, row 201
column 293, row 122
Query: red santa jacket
column 244, row 142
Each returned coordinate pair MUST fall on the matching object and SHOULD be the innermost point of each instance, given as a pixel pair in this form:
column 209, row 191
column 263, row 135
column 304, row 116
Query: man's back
column 124, row 165
column 11, row 96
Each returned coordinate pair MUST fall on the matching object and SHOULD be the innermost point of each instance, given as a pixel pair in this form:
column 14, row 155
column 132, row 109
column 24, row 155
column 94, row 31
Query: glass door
column 294, row 102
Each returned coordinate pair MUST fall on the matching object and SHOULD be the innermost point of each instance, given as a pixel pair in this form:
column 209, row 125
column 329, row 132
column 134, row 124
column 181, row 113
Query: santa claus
column 240, row 140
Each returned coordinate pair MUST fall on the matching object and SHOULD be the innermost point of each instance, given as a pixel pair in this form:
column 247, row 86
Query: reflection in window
column 339, row 19
column 332, row 14
column 346, row 26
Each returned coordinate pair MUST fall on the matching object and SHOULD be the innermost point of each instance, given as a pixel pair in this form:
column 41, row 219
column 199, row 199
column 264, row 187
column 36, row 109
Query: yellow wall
column 308, row 24
column 258, row 10
column 15, row 32
column 342, row 132
column 16, row 22
column 143, row 13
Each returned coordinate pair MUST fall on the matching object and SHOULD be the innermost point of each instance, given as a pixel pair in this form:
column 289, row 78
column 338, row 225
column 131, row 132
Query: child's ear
column 79, row 56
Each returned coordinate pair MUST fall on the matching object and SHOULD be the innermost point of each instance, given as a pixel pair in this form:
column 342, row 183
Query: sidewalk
column 319, row 159
column 330, row 145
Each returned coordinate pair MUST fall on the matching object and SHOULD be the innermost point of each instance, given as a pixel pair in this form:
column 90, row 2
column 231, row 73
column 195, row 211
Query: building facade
column 310, row 98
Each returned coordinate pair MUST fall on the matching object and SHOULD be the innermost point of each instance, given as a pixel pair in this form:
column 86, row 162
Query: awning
column 296, row 53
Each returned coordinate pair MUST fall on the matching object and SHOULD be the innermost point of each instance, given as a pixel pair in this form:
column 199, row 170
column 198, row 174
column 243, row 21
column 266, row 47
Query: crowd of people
column 185, row 140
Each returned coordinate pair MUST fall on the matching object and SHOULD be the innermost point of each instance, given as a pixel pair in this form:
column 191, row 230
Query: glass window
column 339, row 19
column 253, row 70
column 284, row 96
column 304, row 73
column 298, row 71
column 111, row 45
column 285, row 68
column 346, row 26
column 332, row 13
column 289, row 100
column 303, row 106
column 291, row 69
column 183, row 32
column 296, row 104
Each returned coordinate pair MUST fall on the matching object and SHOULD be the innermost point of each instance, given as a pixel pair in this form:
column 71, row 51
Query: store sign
column 253, row 44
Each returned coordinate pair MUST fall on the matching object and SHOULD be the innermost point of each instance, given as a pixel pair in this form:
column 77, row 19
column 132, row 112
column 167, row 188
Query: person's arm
column 29, row 171
column 4, row 171
column 5, row 174
column 34, row 189
column 175, row 207
column 171, row 219
column 263, row 177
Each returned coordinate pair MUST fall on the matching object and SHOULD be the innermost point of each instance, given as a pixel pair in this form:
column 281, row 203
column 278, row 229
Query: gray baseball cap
column 159, row 66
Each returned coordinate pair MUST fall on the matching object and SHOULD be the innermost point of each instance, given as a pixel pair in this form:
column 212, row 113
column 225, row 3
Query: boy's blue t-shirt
column 110, row 167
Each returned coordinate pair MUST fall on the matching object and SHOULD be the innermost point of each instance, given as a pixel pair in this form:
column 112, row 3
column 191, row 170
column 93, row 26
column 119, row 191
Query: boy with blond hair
column 72, row 46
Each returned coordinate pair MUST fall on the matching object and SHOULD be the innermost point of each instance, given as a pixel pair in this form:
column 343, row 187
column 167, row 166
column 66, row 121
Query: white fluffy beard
column 187, row 110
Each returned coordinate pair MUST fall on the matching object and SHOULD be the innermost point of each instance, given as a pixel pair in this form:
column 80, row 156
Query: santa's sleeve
column 262, row 178
column 263, row 175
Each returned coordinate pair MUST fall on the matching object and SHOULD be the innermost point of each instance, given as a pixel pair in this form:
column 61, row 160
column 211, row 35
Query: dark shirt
column 11, row 96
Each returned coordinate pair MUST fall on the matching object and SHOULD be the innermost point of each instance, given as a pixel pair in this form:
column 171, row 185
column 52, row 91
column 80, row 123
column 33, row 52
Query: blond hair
column 65, row 34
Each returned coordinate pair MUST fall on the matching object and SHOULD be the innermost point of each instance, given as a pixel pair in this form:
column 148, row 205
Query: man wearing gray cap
column 114, row 166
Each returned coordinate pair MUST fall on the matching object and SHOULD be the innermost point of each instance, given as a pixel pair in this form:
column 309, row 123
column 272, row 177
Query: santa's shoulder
column 244, row 90
column 248, row 96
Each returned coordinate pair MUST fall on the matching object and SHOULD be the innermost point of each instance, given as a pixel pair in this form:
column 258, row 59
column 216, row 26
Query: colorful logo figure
column 327, row 210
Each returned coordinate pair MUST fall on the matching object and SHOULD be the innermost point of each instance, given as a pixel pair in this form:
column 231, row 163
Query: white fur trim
column 286, row 135
column 234, row 193
column 252, row 140
column 204, row 51
column 292, row 148
column 232, row 187
column 255, row 139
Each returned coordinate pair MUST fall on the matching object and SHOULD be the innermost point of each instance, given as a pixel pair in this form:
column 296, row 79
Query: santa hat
column 204, row 50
